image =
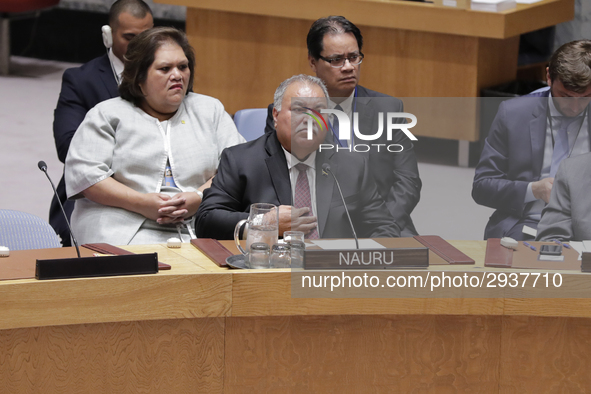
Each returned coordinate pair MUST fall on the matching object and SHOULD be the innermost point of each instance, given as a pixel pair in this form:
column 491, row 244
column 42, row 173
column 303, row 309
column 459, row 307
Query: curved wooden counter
column 200, row 328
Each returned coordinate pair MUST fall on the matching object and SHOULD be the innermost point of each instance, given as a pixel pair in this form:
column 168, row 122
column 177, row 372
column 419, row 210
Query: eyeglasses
column 339, row 62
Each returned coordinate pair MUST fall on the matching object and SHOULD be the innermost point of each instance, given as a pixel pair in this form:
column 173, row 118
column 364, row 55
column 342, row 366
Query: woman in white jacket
column 138, row 164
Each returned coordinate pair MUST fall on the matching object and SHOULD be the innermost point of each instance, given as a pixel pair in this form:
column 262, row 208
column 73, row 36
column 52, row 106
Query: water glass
column 297, row 254
column 258, row 256
column 290, row 236
column 280, row 256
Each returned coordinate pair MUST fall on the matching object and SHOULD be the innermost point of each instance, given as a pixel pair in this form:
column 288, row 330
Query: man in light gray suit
column 567, row 217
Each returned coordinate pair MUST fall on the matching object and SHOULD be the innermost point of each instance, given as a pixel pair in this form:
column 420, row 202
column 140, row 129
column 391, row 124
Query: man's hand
column 542, row 189
column 293, row 219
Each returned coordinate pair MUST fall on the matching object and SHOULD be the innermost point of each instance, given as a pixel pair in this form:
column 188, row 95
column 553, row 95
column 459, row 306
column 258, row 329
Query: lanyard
column 165, row 136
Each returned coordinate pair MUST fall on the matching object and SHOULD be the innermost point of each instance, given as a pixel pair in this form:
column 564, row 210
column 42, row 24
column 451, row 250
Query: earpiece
column 107, row 36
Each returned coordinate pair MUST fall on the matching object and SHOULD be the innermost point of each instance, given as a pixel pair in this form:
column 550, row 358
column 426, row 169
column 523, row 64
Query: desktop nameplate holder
column 586, row 262
column 366, row 259
column 84, row 267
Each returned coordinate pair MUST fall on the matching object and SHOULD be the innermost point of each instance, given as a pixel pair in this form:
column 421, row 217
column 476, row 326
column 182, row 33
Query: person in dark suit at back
column 334, row 54
column 529, row 138
column 567, row 217
column 85, row 86
column 284, row 166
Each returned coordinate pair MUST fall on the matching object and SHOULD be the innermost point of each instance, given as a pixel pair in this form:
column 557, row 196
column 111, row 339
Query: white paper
column 342, row 244
column 546, row 257
column 578, row 246
column 529, row 231
column 527, row 1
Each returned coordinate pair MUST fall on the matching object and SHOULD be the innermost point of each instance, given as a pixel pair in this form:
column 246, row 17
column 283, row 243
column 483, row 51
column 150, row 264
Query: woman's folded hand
column 178, row 207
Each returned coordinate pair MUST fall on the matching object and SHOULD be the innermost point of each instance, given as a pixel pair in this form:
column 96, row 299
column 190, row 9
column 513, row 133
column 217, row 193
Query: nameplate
column 367, row 259
column 586, row 262
column 84, row 267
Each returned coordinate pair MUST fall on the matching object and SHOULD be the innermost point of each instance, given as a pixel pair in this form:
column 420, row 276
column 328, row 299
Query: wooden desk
column 200, row 328
column 245, row 48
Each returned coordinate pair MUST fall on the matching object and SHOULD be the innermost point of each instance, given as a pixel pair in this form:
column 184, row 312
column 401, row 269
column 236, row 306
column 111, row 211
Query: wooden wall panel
column 241, row 59
column 405, row 63
column 545, row 355
column 161, row 356
column 395, row 354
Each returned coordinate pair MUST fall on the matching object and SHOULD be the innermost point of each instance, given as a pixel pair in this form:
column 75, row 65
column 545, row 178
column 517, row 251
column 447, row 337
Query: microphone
column 325, row 171
column 43, row 167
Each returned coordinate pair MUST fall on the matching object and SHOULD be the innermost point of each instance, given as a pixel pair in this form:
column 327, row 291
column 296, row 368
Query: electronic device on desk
column 551, row 253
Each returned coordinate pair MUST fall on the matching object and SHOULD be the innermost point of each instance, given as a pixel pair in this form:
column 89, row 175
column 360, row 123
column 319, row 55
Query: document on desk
column 345, row 244
column 580, row 247
column 527, row 1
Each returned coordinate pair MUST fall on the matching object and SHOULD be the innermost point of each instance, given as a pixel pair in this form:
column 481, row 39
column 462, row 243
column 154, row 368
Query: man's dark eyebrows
column 338, row 55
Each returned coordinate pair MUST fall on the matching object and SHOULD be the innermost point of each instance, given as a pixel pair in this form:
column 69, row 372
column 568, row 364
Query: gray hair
column 302, row 78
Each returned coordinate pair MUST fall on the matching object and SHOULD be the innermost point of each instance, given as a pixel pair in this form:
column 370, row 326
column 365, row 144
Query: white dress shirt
column 117, row 65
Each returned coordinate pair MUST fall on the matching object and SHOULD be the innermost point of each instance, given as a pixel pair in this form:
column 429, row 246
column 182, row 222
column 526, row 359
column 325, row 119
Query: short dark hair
column 137, row 8
column 330, row 25
column 140, row 56
column 571, row 64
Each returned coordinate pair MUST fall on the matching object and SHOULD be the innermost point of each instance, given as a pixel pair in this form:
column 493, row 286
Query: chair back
column 21, row 231
column 251, row 122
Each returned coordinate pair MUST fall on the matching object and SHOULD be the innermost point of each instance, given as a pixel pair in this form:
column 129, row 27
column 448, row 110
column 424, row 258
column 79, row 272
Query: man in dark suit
column 85, row 86
column 529, row 138
column 334, row 54
column 284, row 166
column 567, row 217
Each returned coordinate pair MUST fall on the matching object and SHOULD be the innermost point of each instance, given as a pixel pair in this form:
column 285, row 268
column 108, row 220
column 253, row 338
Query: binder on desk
column 444, row 249
column 213, row 249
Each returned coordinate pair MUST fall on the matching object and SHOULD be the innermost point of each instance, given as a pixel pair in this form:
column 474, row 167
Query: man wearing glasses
column 334, row 54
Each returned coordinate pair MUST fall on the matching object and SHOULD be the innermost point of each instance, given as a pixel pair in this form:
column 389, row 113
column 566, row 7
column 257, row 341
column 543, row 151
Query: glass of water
column 258, row 256
column 280, row 256
column 289, row 236
column 297, row 253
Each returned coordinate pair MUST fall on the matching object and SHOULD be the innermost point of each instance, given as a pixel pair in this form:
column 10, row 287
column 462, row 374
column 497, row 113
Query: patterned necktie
column 302, row 197
column 560, row 151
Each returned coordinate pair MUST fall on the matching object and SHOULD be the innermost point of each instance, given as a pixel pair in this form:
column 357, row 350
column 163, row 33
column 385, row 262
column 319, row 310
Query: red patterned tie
column 302, row 195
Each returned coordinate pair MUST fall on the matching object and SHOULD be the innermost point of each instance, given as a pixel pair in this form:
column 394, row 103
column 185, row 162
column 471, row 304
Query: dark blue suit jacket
column 257, row 172
column 82, row 88
column 396, row 174
column 512, row 157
